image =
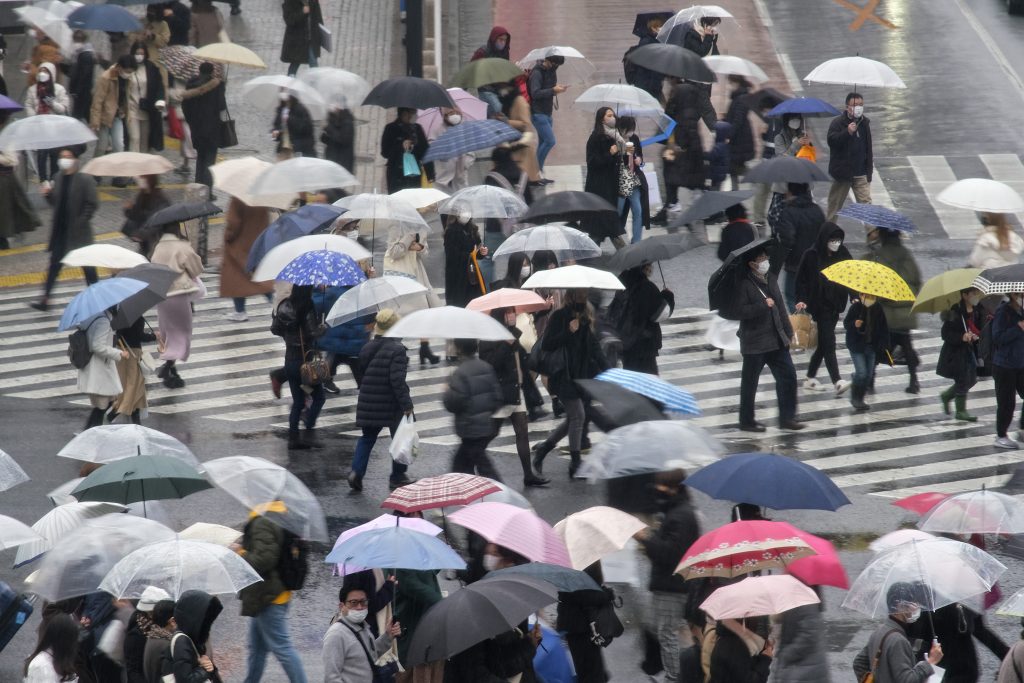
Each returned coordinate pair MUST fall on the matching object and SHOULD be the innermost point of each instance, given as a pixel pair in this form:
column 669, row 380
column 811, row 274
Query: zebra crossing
column 904, row 445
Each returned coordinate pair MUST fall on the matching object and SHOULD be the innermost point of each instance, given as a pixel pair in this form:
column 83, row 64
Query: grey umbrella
column 786, row 170
column 158, row 279
column 181, row 212
column 652, row 250
column 712, row 202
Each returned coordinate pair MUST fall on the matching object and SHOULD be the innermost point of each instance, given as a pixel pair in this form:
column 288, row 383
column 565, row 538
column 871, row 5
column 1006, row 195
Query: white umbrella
column 178, row 566
column 567, row 243
column 128, row 164
column 337, row 86
column 690, row 15
column 898, row 537
column 44, row 131
column 49, row 17
column 421, row 197
column 104, row 256
column 597, row 531
column 615, row 95
column 736, row 66
column 11, row 473
column 108, row 443
column 484, row 201
column 576, row 66
column 14, row 533
column 283, row 254
column 58, row 522
column 263, row 92
column 301, row 174
column 236, row 176
column 372, row 206
column 759, row 596
column 449, row 322
column 855, row 71
column 372, row 295
column 982, row 194
column 976, row 512
column 211, row 533
column 573, row 277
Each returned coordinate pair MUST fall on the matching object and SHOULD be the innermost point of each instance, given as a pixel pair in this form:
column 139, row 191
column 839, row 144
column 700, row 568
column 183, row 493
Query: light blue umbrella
column 97, row 298
column 674, row 399
column 395, row 548
column 879, row 216
column 323, row 268
column 470, row 136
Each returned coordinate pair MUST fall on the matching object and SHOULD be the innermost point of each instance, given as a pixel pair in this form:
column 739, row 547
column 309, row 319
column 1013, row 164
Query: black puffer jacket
column 731, row 661
column 741, row 142
column 798, row 227
column 688, row 105
column 384, row 393
column 822, row 296
column 194, row 613
column 473, row 395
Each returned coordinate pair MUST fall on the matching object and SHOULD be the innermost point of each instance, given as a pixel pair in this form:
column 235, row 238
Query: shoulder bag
column 869, row 677
column 627, row 179
column 228, row 136
column 314, row 369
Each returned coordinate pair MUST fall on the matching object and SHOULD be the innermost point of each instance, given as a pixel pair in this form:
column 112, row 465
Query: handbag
column 228, row 135
column 410, row 167
column 627, row 181
column 314, row 369
column 869, row 677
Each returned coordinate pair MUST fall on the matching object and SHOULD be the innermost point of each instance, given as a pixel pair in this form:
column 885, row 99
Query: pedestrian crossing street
column 905, row 445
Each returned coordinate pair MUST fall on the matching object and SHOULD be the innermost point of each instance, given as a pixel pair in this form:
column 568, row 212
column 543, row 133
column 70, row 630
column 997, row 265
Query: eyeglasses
column 357, row 603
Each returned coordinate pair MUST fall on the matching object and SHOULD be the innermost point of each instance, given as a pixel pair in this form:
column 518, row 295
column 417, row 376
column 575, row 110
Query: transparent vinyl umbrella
column 337, row 86
column 641, row 448
column 301, row 174
column 44, row 131
column 567, row 243
column 263, row 92
column 371, row 208
column 108, row 443
column 11, row 473
column 59, row 522
column 449, row 322
column 976, row 512
column 484, row 201
column 14, row 533
column 371, row 295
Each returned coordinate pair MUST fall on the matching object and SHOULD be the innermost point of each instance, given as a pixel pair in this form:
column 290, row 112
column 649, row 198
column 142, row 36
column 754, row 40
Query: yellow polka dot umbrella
column 868, row 277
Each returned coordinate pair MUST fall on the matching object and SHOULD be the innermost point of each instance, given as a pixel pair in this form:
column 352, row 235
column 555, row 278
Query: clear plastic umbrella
column 49, row 17
column 450, row 322
column 640, row 448
column 301, row 174
column 576, row 67
column 60, row 521
column 668, row 32
column 614, row 95
column 421, row 197
column 11, row 473
column 44, row 131
column 108, row 443
column 14, row 533
column 567, row 243
column 283, row 254
column 262, row 91
column 370, row 208
column 177, row 566
column 337, row 86
column 898, row 537
column 255, row 483
column 373, row 294
column 976, row 512
column 211, row 533
column 736, row 66
column 484, row 201
column 572, row 277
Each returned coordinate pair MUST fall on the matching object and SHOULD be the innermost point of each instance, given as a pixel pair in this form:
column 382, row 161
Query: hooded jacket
column 489, row 50
column 822, row 296
column 262, row 544
column 58, row 104
column 800, row 656
column 798, row 226
column 194, row 612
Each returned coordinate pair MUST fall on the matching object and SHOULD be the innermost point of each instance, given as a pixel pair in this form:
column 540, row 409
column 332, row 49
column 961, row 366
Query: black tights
column 521, row 425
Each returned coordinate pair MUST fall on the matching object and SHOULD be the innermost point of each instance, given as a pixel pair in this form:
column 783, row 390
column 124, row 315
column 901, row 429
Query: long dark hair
column 60, row 638
column 302, row 300
column 514, row 275
column 599, row 120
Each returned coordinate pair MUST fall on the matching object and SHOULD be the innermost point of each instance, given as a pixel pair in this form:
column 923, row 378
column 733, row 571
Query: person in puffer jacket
column 341, row 343
column 472, row 396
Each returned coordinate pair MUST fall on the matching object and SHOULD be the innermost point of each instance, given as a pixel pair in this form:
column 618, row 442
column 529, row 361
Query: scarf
column 613, row 133
column 42, row 92
column 150, row 629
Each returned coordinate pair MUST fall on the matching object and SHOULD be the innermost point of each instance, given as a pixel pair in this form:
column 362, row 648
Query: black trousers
column 1009, row 385
column 471, row 458
column 587, row 658
column 54, row 270
column 205, row 158
column 640, row 362
column 781, row 365
column 826, row 350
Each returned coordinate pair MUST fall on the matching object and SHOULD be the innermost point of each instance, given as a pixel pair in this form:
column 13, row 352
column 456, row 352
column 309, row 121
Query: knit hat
column 150, row 597
column 385, row 320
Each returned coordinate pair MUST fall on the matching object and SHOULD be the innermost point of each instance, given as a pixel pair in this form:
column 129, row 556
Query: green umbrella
column 942, row 291
column 486, row 71
column 141, row 478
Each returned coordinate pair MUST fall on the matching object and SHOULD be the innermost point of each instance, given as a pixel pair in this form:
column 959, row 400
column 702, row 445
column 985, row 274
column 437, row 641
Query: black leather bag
column 228, row 136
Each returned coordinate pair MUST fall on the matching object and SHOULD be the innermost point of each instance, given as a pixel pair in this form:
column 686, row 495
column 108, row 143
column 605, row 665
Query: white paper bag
column 405, row 445
column 937, row 675
column 653, row 190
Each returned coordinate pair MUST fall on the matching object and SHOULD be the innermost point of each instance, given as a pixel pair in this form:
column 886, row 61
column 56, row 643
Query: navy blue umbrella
column 879, row 216
column 469, row 137
column 303, row 221
column 104, row 18
column 806, row 106
column 565, row 579
column 768, row 480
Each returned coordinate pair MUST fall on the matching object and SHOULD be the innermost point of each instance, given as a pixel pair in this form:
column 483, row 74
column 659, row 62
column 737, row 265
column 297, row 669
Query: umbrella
column 764, row 98
column 868, row 277
column 572, row 277
column 7, row 104
column 672, row 60
column 182, row 63
column 110, row 443
column 475, row 613
column 758, row 596
column 449, row 322
column 805, row 106
column 104, row 18
column 736, row 66
column 567, row 243
column 504, row 494
column 622, row 406
column 409, row 91
column 942, row 291
column 441, row 491
column 518, row 299
column 59, row 522
column 97, row 298
column 395, row 547
column 565, row 579
column 322, row 268
column 421, row 197
column 263, row 91
column 470, row 136
column 614, row 95
column 672, row 398
column 11, row 473
column 711, row 202
column 372, row 295
column 372, row 206
column 932, row 573
column 640, row 28
column 855, row 71
column 786, row 170
column 898, row 537
column 823, row 569
column 181, row 212
column 920, row 502
column 742, row 547
column 722, row 282
column 976, row 512
column 486, row 71
column 293, row 226
column 879, row 216
column 385, row 521
column 519, row 530
column 14, row 533
column 595, row 532
column 337, row 86
column 103, row 256
column 484, row 201
column 141, row 478
column 576, row 66
column 981, row 194
column 255, row 482
column 572, row 205
column 672, row 31
column 44, row 131
column 652, row 250
column 1001, row 280
column 230, row 53
column 236, row 176
column 768, row 480
column 302, row 174
column 158, row 279
column 639, row 448
column 211, row 533
column 177, row 566
column 1014, row 605
column 472, row 109
column 49, row 17
column 126, row 163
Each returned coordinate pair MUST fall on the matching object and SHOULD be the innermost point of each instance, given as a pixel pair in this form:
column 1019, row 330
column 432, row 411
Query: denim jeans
column 365, row 446
column 268, row 632
column 110, row 138
column 545, row 136
column 781, row 365
column 637, row 213
column 863, row 366
column 492, row 100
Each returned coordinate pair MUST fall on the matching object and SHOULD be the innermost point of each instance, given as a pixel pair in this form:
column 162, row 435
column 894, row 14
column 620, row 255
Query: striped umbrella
column 436, row 492
column 674, row 399
column 469, row 137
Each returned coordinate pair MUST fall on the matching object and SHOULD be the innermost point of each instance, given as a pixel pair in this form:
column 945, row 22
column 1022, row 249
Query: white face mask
column 794, row 124
column 454, row 119
column 356, row 616
column 833, row 245
column 65, row 164
column 974, row 300
column 858, row 111
column 491, row 562
column 31, row 33
column 914, row 615
column 609, row 121
column 763, row 266
column 868, row 301
column 525, row 272
column 464, row 217
column 43, row 76
column 139, row 59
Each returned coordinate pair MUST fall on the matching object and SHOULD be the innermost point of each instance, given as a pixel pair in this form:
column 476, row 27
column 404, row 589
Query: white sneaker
column 673, row 208
column 841, row 387
column 1007, row 443
column 812, row 384
column 45, row 185
column 237, row 316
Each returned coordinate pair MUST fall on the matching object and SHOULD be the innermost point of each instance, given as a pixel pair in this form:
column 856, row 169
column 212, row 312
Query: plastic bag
column 405, row 445
column 409, row 164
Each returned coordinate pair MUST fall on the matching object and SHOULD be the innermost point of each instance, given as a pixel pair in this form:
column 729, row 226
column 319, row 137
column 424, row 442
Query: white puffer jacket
column 988, row 254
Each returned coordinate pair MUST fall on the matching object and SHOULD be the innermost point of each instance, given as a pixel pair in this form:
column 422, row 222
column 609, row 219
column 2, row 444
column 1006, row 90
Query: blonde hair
column 1002, row 226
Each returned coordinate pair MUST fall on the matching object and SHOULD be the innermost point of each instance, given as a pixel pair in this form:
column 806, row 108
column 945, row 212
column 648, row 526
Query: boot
column 961, row 410
column 574, row 463
column 529, row 478
column 95, row 418
column 295, row 442
column 540, row 451
column 947, row 396
column 426, row 355
column 136, row 417
column 857, row 398
column 660, row 218
column 557, row 408
column 914, row 387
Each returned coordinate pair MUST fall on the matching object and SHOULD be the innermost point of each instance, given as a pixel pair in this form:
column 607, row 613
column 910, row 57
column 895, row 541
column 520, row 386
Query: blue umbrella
column 469, row 137
column 565, row 579
column 302, row 221
column 7, row 104
column 807, row 106
column 104, row 18
column 769, row 480
column 395, row 548
column 674, row 399
column 879, row 216
column 322, row 267
column 97, row 298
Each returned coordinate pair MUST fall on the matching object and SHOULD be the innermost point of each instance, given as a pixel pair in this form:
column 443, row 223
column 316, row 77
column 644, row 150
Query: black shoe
column 660, row 218
column 330, row 387
column 161, row 371
column 295, row 443
column 537, row 413
column 914, row 387
column 40, row 306
column 536, row 183
column 539, row 452
column 236, row 10
column 428, row 356
column 557, row 407
column 355, row 482
column 574, row 464
column 4, row 243
column 534, row 480
column 401, row 481
column 309, row 438
column 791, row 425
column 752, row 427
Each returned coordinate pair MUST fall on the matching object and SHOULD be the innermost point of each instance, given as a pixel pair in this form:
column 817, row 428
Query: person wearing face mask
column 639, row 324
column 605, row 149
column 146, row 103
column 498, row 46
column 867, row 340
column 1008, row 365
column 149, row 200
column 349, row 648
column 404, row 138
column 790, row 139
column 462, row 281
column 46, row 97
column 851, row 157
column 887, row 248
column 339, row 137
column 293, row 128
column 544, row 90
column 450, row 175
column 636, row 203
column 958, row 359
column 888, row 653
column 109, row 106
column 302, row 42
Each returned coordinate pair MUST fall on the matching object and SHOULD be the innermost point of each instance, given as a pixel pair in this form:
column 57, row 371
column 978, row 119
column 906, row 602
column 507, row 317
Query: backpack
column 293, row 562
column 79, row 352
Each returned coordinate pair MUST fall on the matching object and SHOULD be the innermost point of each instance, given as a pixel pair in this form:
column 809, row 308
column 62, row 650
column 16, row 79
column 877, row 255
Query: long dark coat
column 741, row 143
column 459, row 286
column 602, row 180
column 339, row 138
column 958, row 358
column 203, row 112
column 301, row 31
column 687, row 106
column 383, row 393
column 583, row 356
column 300, row 129
column 82, row 203
column 395, row 133
column 16, row 213
column 154, row 93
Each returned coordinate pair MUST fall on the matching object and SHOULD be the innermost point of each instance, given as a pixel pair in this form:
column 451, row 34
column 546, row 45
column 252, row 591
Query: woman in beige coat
column 517, row 114
column 174, row 314
column 99, row 379
column 404, row 256
column 242, row 226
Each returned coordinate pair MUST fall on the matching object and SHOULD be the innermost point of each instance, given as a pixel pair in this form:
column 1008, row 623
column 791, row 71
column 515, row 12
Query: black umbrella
column 721, row 284
column 411, row 92
column 652, row 250
column 1001, row 280
column 711, row 202
column 622, row 406
column 765, row 98
column 181, row 212
column 566, row 206
column 786, row 170
column 158, row 279
column 673, row 60
column 475, row 613
column 640, row 25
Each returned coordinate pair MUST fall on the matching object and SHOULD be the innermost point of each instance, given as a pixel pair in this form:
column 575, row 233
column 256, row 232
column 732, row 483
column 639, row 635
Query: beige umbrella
column 104, row 256
column 230, row 53
column 596, row 532
column 421, row 197
column 128, row 164
column 211, row 533
column 236, row 176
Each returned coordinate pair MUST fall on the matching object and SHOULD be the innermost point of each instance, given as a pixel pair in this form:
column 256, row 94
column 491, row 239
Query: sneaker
column 841, row 387
column 236, row 316
column 1007, row 443
column 330, row 387
column 673, row 208
column 45, row 186
column 811, row 384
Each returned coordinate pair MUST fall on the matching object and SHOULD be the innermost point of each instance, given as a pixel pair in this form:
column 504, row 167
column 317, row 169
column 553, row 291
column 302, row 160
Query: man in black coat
column 851, row 158
column 179, row 19
column 472, row 396
column 797, row 229
column 202, row 104
column 301, row 44
column 81, row 76
column 643, row 78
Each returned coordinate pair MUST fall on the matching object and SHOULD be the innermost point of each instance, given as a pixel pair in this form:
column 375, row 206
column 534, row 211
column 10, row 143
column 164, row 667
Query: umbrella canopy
column 673, row 30
column 110, row 443
column 280, row 256
column 449, row 322
column 337, row 86
column 454, row 488
column 14, row 533
column 1001, row 280
column 565, row 579
column 823, row 569
column 504, row 494
column 518, row 299
column 868, row 277
column 385, row 521
column 769, row 480
column 711, row 202
column 182, row 63
column 932, row 574
column 44, row 131
column 103, row 256
column 742, row 547
column 486, row 71
column 7, row 104
column 141, row 478
column 230, row 53
column 126, row 163
column 566, row 243
column 672, row 398
column 731, row 65
column 920, row 503
column 484, row 201
column 639, row 448
column 976, row 512
column 96, row 298
column 158, row 279
column 591, row 534
column 472, row 109
column 395, row 547
column 322, row 268
column 640, row 24
column 786, row 170
column 519, row 530
column 652, row 250
column 572, row 277
column 764, row 99
column 805, row 106
column 470, row 136
column 879, row 216
column 11, row 473
column 263, row 92
column 898, row 537
column 421, row 197
column 855, row 71
column 302, row 174
column 575, row 68
column 292, row 226
column 181, row 212
column 372, row 295
column 673, row 60
column 942, row 291
column 211, row 533
column 615, row 95
column 475, row 613
column 236, row 176
column 409, row 91
column 59, row 522
column 980, row 194
column 177, row 566
column 572, row 205
column 722, row 283
column 104, row 18
column 255, row 482
column 1013, row 606
column 622, row 406
column 371, row 206
column 758, row 596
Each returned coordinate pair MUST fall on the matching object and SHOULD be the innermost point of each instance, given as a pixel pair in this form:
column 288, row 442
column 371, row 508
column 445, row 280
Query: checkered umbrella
column 435, row 492
column 674, row 399
column 323, row 267
column 470, row 136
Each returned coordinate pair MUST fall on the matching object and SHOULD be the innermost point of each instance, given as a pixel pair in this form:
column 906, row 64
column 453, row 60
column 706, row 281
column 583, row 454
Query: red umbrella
column 823, row 569
column 743, row 547
column 921, row 503
column 435, row 492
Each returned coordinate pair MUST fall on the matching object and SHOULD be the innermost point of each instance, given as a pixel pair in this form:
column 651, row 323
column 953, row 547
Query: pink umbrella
column 472, row 108
column 921, row 503
column 757, row 596
column 823, row 569
column 519, row 530
column 384, row 521
column 522, row 300
column 743, row 547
